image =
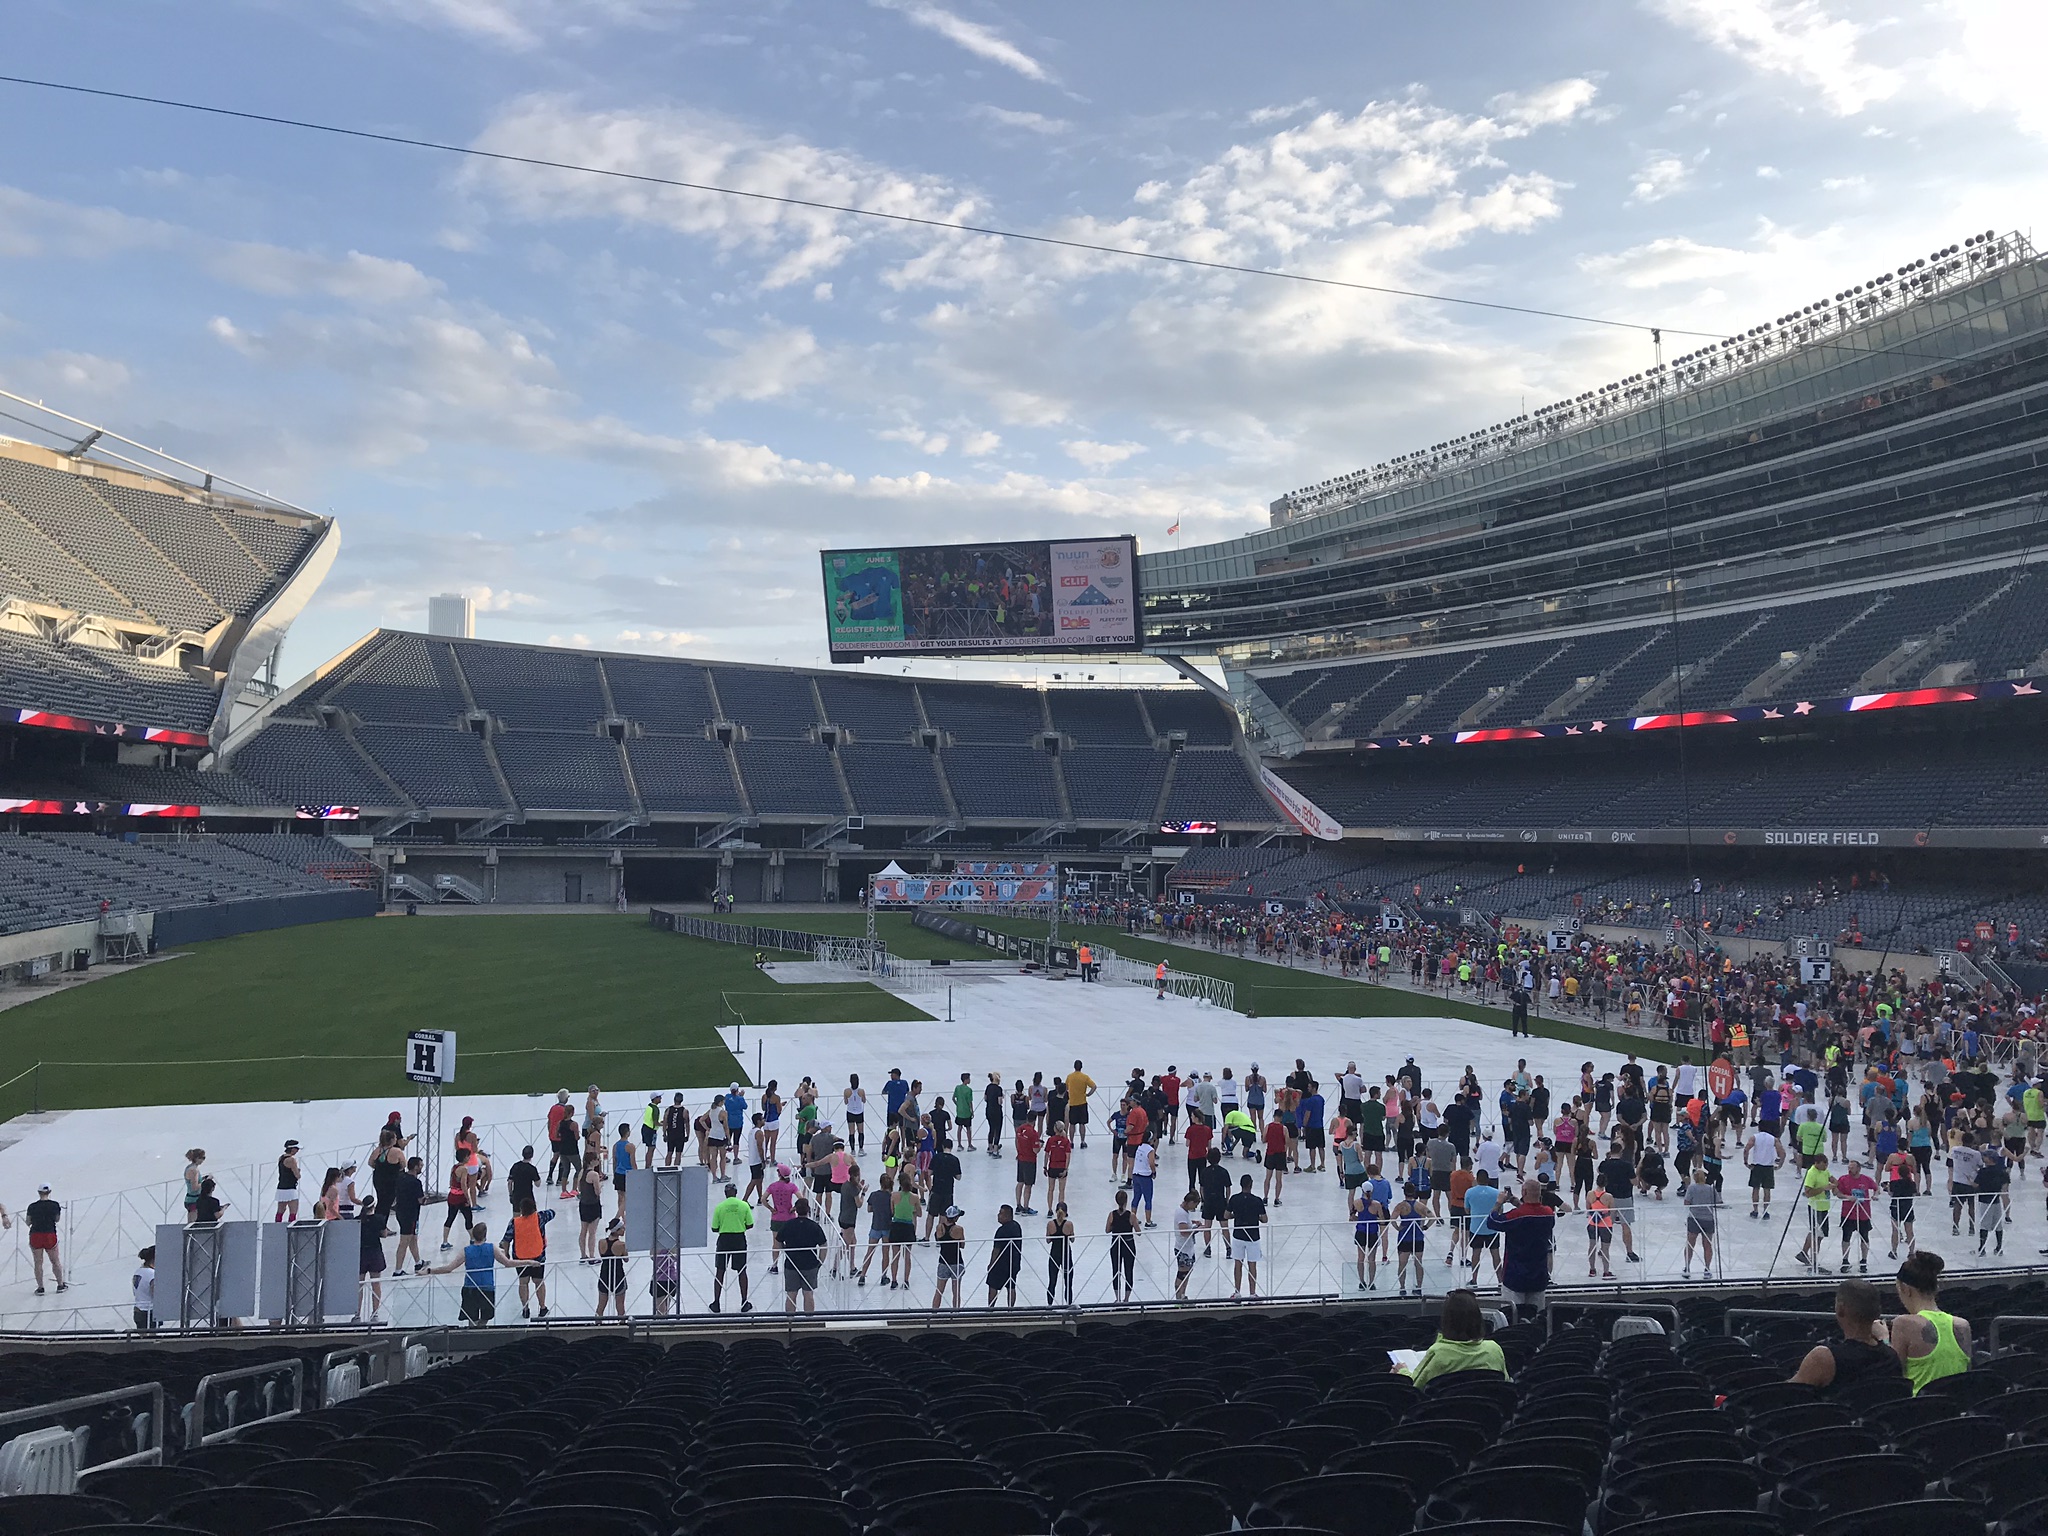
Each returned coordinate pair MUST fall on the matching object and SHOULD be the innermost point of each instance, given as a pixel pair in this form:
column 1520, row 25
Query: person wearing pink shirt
column 1855, row 1189
column 782, row 1196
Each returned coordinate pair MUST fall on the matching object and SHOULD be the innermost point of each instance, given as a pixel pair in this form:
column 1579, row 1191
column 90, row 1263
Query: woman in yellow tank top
column 1930, row 1343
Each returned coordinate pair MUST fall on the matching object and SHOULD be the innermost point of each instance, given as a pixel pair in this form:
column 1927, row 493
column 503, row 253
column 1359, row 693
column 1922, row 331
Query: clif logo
column 1073, row 581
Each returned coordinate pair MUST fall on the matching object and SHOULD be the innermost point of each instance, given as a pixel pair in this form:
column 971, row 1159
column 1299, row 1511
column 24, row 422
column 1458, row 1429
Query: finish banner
column 959, row 890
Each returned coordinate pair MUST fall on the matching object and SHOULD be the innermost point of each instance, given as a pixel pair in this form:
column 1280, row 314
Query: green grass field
column 895, row 929
column 1263, row 990
column 321, row 1012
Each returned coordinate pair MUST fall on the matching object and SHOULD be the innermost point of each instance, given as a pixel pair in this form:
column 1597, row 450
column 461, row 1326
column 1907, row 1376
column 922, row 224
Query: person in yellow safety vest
column 1738, row 1037
column 1159, row 978
column 1087, row 963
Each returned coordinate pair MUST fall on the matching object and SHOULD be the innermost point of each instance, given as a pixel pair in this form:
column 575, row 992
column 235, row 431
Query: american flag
column 1173, row 528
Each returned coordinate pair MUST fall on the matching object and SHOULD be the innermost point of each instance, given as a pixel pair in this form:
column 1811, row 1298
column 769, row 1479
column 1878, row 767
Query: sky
column 628, row 417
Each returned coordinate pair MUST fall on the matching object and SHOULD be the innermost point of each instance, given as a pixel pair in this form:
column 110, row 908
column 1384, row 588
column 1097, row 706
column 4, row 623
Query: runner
column 1409, row 1218
column 1247, row 1214
column 1005, row 1256
column 1702, row 1219
column 1059, row 1253
column 1863, row 1352
column 951, row 1238
column 288, row 1186
column 731, row 1219
column 1368, row 1216
column 1855, row 1189
column 1123, row 1248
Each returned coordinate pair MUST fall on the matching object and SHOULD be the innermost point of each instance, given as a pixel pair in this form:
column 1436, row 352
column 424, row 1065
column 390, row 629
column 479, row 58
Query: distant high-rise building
column 453, row 615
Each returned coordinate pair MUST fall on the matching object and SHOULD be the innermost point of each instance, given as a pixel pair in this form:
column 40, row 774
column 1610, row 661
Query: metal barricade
column 150, row 1455
column 295, row 1369
column 383, row 1363
column 1777, row 1314
column 1658, row 1309
column 2025, row 1319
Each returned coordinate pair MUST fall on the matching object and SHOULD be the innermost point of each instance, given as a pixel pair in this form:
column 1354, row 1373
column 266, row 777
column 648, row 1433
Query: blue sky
column 628, row 418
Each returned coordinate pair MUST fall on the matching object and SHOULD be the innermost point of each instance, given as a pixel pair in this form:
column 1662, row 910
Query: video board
column 969, row 599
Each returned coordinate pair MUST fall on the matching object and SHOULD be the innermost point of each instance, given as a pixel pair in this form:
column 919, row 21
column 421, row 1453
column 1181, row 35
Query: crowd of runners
column 1698, row 994
column 1854, row 1117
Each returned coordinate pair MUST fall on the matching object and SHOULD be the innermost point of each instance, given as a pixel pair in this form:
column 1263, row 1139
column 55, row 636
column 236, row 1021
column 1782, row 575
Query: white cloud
column 708, row 150
column 1767, row 172
column 284, row 273
column 1674, row 259
column 498, row 600
column 1659, row 177
column 1993, row 61
column 1799, row 39
column 522, row 25
column 1029, row 122
column 981, row 41
column 1845, row 184
column 1547, row 105
column 773, row 362
column 70, row 378
column 1264, row 115
column 977, row 445
column 1099, row 455
column 916, row 437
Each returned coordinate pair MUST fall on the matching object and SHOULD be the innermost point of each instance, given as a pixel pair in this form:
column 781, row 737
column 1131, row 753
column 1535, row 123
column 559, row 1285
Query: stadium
column 1669, row 756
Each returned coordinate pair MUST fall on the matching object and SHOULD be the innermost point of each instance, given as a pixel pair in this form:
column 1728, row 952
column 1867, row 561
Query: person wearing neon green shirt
column 1461, row 1343
column 1931, row 1343
column 1818, row 1186
column 731, row 1220
column 2035, row 1107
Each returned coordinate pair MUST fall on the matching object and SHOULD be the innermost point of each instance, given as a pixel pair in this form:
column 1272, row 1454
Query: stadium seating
column 1115, row 783
column 1105, row 718
column 984, row 712
column 98, row 684
column 298, row 764
column 435, row 767
column 893, row 779
column 684, row 773
column 767, row 701
column 1978, row 626
column 404, row 706
column 557, row 770
column 1288, row 1421
column 1002, row 784
column 532, row 687
column 52, row 878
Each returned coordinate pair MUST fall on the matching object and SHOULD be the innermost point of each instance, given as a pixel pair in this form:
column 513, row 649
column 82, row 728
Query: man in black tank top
column 1861, row 1352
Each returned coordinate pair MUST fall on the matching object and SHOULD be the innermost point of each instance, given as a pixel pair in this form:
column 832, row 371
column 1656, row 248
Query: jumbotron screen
column 961, row 599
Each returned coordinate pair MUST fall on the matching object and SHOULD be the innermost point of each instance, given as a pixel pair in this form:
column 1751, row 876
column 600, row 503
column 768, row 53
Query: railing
column 1998, row 1327
column 749, row 935
column 151, row 1418
column 1698, row 370
column 383, row 1364
column 294, row 1370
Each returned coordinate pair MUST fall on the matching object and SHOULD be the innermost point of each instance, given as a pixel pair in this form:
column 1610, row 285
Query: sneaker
column 543, row 1314
column 1685, row 1274
column 1635, row 1258
column 715, row 1306
column 446, row 1246
column 39, row 1290
column 746, row 1306
column 526, row 1314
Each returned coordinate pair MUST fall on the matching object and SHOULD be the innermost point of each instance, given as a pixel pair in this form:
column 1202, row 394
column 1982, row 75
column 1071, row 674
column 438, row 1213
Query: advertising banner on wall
column 1301, row 810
